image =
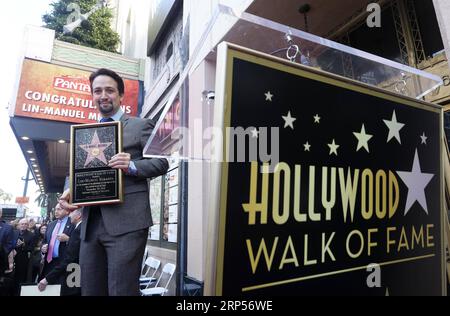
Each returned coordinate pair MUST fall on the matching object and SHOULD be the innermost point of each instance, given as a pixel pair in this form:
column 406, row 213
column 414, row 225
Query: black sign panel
column 92, row 181
column 345, row 199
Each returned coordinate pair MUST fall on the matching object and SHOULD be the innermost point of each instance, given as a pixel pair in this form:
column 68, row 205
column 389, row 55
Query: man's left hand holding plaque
column 92, row 181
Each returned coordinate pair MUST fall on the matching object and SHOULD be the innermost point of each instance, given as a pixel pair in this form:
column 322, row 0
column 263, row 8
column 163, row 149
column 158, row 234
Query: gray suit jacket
column 134, row 213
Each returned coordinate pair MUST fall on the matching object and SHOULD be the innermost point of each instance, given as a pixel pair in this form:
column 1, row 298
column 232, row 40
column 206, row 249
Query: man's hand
column 44, row 248
column 62, row 237
column 42, row 285
column 64, row 201
column 120, row 161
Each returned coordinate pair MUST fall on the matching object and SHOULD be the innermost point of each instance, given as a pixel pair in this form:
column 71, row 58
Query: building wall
column 201, row 11
column 199, row 14
column 131, row 21
column 200, row 117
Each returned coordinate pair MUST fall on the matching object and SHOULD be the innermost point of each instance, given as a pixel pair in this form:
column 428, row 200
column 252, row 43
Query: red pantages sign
column 72, row 84
column 59, row 93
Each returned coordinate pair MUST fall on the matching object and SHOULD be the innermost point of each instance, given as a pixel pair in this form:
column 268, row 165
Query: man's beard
column 106, row 110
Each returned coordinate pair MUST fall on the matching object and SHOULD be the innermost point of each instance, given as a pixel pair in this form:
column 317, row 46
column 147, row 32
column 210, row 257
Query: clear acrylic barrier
column 278, row 40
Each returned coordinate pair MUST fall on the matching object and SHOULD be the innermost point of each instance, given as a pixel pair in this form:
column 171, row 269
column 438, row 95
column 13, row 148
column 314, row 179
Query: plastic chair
column 167, row 271
column 143, row 271
column 149, row 277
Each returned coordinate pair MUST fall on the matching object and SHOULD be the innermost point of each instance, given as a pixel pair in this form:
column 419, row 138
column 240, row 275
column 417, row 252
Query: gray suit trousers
column 101, row 255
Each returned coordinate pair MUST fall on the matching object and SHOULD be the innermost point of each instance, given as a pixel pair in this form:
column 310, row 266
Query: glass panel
column 172, row 234
column 155, row 205
column 173, row 177
column 330, row 56
column 170, row 216
column 279, row 40
column 173, row 213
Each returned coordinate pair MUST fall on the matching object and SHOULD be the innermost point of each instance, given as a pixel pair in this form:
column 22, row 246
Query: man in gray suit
column 113, row 237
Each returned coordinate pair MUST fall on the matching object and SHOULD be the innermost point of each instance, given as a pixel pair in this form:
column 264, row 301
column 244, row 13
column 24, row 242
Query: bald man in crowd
column 24, row 247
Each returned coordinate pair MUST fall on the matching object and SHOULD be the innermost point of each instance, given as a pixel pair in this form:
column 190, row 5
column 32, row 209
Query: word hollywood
column 377, row 192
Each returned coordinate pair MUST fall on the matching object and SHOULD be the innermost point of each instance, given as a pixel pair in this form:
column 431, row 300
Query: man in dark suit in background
column 24, row 246
column 59, row 274
column 6, row 235
column 6, row 246
column 56, row 238
column 113, row 237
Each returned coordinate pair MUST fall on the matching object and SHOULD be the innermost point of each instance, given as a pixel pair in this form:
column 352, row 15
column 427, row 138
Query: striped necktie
column 52, row 241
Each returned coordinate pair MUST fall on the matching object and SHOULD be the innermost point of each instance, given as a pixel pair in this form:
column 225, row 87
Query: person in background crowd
column 6, row 235
column 59, row 274
column 24, row 247
column 56, row 238
column 6, row 248
column 32, row 225
column 37, row 262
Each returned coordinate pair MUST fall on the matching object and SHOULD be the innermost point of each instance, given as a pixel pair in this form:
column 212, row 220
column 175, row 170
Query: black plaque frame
column 92, row 182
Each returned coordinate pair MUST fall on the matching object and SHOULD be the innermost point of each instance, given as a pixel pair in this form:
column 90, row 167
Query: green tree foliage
column 94, row 32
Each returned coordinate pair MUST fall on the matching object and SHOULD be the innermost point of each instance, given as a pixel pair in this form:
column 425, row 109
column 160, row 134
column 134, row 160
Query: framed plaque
column 92, row 182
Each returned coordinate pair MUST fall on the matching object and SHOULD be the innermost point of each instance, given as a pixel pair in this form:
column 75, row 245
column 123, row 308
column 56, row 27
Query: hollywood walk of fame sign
column 92, row 182
column 357, row 180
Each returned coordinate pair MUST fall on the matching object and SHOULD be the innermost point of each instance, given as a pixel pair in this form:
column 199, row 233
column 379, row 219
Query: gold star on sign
column 269, row 96
column 317, row 119
column 394, row 128
column 363, row 139
column 424, row 139
column 289, row 120
column 307, row 146
column 333, row 148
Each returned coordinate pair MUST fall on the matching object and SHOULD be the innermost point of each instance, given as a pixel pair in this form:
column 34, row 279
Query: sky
column 14, row 15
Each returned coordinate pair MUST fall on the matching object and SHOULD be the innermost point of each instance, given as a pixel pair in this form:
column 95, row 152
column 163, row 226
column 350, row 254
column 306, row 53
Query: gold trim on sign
column 443, row 150
column 224, row 177
column 72, row 142
column 119, row 150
